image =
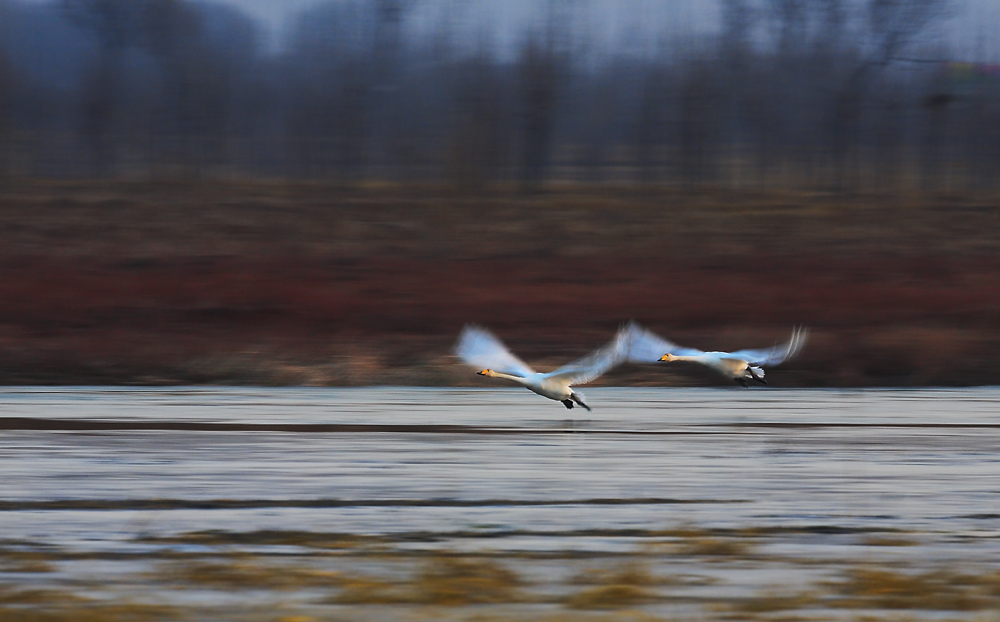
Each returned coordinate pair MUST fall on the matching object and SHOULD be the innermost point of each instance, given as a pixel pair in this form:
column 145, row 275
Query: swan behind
column 742, row 365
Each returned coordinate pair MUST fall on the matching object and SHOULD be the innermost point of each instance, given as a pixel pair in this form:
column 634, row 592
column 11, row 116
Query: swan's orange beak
column 665, row 357
column 485, row 372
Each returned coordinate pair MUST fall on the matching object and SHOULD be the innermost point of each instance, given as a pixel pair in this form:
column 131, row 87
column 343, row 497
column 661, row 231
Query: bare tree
column 479, row 123
column 116, row 24
column 199, row 75
column 333, row 90
column 652, row 122
column 893, row 25
column 790, row 91
column 8, row 88
column 543, row 65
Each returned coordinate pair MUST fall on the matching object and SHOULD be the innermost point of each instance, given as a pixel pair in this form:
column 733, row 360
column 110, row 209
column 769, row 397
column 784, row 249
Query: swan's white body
column 742, row 365
column 479, row 348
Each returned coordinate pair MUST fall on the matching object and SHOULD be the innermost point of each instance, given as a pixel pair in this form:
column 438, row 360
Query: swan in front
column 742, row 365
column 479, row 348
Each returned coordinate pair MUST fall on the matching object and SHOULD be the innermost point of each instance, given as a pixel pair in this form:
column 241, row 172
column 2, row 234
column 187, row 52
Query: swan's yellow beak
column 485, row 372
column 666, row 357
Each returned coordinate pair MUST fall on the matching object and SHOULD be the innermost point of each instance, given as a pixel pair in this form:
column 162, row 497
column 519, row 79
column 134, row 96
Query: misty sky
column 971, row 32
column 972, row 29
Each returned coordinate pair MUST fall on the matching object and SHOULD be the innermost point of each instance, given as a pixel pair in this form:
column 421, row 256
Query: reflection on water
column 461, row 469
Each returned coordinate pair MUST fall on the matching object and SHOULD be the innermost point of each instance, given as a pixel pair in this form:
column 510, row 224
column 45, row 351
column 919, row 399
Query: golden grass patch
column 47, row 605
column 90, row 613
column 442, row 581
column 889, row 541
column 457, row 581
column 708, row 546
column 25, row 561
column 610, row 597
column 243, row 572
column 937, row 590
column 622, row 586
column 628, row 573
column 369, row 591
column 769, row 602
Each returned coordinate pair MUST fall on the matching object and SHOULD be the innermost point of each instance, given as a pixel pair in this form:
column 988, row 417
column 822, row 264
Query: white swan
column 479, row 348
column 742, row 365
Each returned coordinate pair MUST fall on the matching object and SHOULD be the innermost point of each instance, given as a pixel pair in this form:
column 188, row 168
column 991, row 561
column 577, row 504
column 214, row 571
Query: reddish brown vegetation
column 282, row 284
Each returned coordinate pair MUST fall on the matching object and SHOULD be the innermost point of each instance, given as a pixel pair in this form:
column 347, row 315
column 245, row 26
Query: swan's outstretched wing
column 647, row 347
column 776, row 354
column 598, row 362
column 479, row 348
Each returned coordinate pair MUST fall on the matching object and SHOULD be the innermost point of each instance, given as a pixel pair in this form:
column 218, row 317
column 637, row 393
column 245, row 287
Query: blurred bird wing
column 776, row 354
column 598, row 362
column 647, row 347
column 479, row 348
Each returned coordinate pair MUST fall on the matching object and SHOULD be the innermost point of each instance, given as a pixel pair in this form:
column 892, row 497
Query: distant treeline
column 825, row 93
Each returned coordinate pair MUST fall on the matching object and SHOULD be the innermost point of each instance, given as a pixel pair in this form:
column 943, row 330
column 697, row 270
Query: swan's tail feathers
column 800, row 335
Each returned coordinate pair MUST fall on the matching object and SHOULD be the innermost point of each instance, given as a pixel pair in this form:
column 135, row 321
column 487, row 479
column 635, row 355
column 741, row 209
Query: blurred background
column 324, row 192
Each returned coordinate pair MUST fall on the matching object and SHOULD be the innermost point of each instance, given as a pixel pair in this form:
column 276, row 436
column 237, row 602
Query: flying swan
column 479, row 348
column 742, row 365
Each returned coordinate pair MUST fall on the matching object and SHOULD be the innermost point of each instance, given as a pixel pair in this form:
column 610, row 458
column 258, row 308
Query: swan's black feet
column 568, row 404
column 576, row 398
column 742, row 382
column 760, row 380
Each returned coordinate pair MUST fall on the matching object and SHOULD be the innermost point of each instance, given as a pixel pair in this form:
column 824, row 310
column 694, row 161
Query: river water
column 116, row 470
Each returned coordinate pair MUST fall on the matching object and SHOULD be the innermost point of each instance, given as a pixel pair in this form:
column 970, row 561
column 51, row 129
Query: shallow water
column 505, row 469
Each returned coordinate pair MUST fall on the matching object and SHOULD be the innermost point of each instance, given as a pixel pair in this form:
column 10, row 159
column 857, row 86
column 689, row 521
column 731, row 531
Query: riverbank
column 283, row 283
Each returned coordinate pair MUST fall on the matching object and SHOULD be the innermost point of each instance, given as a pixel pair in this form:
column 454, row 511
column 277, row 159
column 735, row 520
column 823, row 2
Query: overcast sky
column 975, row 27
column 972, row 32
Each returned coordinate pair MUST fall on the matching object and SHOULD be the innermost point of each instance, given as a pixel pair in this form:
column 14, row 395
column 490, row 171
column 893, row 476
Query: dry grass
column 455, row 581
column 867, row 587
column 446, row 581
column 47, row 605
column 627, row 573
column 10, row 595
column 370, row 591
column 242, row 572
column 894, row 541
column 773, row 601
column 626, row 585
column 416, row 585
column 707, row 546
column 26, row 561
column 91, row 613
column 610, row 597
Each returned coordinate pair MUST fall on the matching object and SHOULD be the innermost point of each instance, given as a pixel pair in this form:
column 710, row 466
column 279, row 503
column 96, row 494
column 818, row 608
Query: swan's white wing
column 479, row 348
column 598, row 362
column 776, row 354
column 647, row 347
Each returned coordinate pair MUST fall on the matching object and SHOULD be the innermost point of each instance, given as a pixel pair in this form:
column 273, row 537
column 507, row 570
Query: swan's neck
column 697, row 358
column 498, row 374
